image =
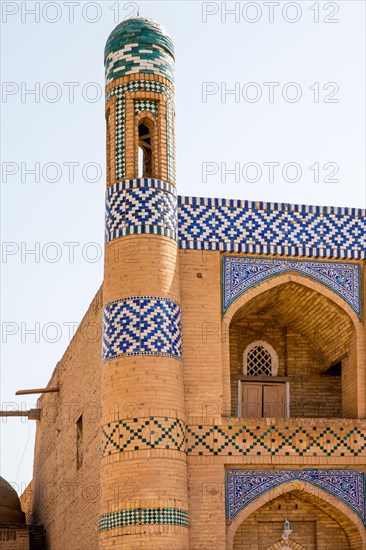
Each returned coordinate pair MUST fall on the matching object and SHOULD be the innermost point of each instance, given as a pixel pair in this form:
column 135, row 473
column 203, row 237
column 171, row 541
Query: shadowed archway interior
column 314, row 340
column 314, row 524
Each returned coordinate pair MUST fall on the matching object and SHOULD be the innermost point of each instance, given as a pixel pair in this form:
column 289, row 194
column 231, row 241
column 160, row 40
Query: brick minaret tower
column 144, row 502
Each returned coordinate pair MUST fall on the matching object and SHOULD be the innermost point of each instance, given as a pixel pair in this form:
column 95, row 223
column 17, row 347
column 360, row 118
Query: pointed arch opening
column 146, row 148
column 315, row 341
column 318, row 520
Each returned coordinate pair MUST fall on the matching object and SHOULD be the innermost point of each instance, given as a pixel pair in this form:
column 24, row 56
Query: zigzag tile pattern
column 284, row 440
column 151, row 433
column 141, row 206
column 271, row 228
column 239, row 226
column 250, row 439
column 142, row 325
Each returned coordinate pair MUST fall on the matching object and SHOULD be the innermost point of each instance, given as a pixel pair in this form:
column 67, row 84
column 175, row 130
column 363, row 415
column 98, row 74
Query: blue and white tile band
column 236, row 226
column 142, row 325
column 271, row 228
column 242, row 273
column 244, row 486
column 141, row 206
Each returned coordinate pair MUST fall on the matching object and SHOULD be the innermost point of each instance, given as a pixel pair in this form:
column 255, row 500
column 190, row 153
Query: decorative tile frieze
column 140, row 206
column 286, row 438
column 242, row 273
column 144, row 516
column 271, row 228
column 141, row 434
column 244, row 486
column 281, row 439
column 142, row 325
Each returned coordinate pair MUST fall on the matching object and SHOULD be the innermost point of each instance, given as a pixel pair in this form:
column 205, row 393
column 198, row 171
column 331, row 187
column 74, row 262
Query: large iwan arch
column 347, row 519
column 322, row 311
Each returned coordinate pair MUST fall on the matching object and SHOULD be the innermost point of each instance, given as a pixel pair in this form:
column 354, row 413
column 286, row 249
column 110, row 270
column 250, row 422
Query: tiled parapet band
column 141, row 206
column 142, row 325
column 244, row 486
column 271, row 228
column 238, row 226
column 144, row 516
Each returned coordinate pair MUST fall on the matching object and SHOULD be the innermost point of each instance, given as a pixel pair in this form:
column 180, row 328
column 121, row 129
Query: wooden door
column 252, row 400
column 274, row 401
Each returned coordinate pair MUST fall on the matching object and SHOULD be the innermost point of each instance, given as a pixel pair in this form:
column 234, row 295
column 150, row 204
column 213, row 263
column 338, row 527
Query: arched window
column 145, row 149
column 260, row 359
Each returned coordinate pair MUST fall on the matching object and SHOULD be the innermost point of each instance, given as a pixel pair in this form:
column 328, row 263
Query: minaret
column 144, row 502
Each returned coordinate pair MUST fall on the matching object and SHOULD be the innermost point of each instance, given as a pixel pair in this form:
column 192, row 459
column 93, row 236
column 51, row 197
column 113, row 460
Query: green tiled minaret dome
column 139, row 45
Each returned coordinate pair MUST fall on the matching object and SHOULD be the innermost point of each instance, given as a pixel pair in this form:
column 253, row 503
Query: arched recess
column 335, row 508
column 354, row 405
column 290, row 545
column 146, row 140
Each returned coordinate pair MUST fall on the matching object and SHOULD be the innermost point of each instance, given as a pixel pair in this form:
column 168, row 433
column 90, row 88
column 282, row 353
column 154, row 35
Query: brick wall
column 14, row 537
column 65, row 499
column 62, row 498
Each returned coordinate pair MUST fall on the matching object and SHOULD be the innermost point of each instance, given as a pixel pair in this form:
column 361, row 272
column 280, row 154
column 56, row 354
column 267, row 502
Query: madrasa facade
column 214, row 395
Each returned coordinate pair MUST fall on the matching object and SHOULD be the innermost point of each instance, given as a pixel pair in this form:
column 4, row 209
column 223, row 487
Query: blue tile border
column 244, row 486
column 141, row 206
column 229, row 225
column 242, row 273
column 142, row 325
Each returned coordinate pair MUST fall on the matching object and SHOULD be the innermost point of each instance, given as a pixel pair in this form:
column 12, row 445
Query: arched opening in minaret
column 145, row 149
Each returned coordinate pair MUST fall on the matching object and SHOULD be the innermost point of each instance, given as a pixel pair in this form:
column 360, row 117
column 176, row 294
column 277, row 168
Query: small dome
column 139, row 45
column 10, row 509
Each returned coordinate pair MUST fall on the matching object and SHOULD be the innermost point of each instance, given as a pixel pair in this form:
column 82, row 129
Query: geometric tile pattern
column 141, row 206
column 144, row 516
column 142, row 325
column 242, row 273
column 139, row 45
column 150, row 433
column 134, row 86
column 244, row 486
column 271, row 228
column 248, row 439
column 145, row 105
column 283, row 439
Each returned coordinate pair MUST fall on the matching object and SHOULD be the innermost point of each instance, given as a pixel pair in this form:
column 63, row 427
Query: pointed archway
column 293, row 306
column 321, row 505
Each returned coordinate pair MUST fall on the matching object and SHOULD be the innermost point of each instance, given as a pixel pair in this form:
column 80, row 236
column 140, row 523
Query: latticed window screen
column 259, row 361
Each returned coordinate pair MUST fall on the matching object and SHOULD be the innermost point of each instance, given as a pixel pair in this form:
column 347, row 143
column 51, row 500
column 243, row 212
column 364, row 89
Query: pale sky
column 292, row 130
